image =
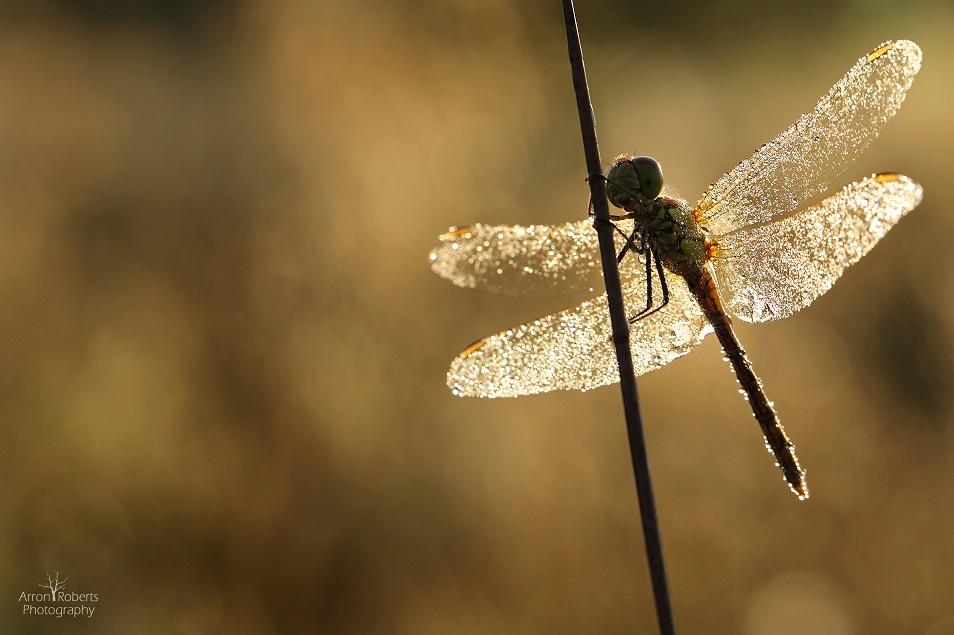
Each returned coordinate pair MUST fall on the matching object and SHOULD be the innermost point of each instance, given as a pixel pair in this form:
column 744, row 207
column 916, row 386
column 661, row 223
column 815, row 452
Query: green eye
column 649, row 174
column 621, row 183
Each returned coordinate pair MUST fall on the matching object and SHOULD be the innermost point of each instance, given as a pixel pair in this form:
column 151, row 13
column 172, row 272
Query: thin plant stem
column 620, row 325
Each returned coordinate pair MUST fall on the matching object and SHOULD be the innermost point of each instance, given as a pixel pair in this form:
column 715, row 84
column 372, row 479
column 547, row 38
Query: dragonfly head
column 635, row 180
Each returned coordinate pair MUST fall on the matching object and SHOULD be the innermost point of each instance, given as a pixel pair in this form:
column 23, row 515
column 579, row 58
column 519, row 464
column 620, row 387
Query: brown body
column 703, row 288
column 674, row 236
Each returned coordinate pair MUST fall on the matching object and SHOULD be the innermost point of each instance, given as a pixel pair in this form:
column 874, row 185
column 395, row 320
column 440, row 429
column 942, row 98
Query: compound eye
column 621, row 183
column 649, row 174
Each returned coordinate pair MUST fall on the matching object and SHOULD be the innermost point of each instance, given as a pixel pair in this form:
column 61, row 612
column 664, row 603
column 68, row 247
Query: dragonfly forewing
column 770, row 271
column 537, row 260
column 573, row 349
column 801, row 162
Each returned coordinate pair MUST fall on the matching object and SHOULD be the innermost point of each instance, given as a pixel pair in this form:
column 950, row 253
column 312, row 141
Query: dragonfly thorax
column 674, row 235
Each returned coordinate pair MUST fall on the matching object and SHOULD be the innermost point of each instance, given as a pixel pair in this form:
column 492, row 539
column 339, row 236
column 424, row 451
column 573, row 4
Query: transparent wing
column 536, row 260
column 572, row 349
column 770, row 271
column 802, row 161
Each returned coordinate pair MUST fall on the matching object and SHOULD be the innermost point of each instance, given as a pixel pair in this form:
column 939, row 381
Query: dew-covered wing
column 770, row 271
column 573, row 350
column 805, row 159
column 537, row 260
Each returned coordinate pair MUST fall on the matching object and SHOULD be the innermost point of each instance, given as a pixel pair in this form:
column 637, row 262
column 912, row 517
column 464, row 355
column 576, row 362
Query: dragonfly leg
column 630, row 238
column 662, row 283
column 612, row 217
column 649, row 309
column 630, row 244
column 644, row 249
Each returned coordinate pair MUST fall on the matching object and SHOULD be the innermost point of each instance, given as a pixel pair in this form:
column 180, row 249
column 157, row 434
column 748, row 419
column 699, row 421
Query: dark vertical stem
column 627, row 376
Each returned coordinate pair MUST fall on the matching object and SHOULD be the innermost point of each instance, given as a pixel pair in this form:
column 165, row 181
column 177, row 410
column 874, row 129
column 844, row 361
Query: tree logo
column 56, row 602
column 54, row 585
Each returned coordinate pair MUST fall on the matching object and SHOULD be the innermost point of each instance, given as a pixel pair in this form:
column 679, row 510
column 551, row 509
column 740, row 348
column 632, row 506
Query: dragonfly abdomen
column 702, row 286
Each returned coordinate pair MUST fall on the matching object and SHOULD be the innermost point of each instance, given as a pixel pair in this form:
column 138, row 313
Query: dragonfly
column 755, row 245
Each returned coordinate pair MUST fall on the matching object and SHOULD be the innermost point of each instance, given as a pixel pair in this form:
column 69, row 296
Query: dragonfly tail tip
column 800, row 489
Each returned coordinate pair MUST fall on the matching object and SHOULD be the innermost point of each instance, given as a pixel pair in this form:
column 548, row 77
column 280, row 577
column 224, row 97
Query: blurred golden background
column 222, row 387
